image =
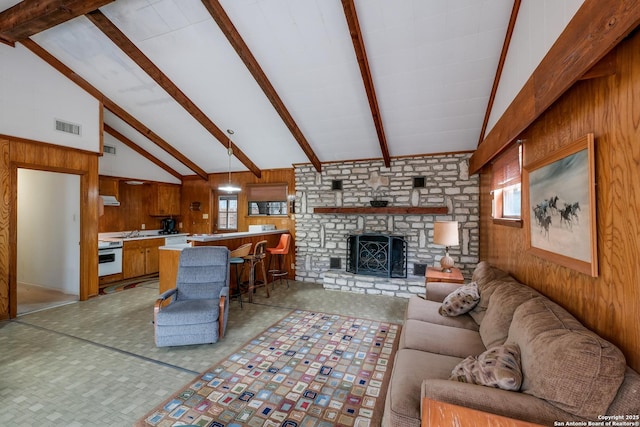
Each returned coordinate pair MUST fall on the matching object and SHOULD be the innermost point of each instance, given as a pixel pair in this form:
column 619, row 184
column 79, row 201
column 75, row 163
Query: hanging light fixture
column 229, row 188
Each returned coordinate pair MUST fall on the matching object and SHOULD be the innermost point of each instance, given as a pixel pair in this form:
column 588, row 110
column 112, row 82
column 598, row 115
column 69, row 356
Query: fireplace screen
column 379, row 255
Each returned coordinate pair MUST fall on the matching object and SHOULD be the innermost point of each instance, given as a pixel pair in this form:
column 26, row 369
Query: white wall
column 49, row 230
column 539, row 24
column 128, row 163
column 33, row 95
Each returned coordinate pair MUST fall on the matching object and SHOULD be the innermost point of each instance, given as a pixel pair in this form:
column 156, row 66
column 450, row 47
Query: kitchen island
column 206, row 239
column 170, row 254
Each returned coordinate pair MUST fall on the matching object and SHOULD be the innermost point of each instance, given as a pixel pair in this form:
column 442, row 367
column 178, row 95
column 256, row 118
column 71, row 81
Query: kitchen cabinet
column 140, row 257
column 108, row 186
column 164, row 200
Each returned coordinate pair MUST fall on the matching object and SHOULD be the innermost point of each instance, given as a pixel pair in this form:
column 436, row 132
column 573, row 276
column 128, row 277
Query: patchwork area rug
column 309, row 369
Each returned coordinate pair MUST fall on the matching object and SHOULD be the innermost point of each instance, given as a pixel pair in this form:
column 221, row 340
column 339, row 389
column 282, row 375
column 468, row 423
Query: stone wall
column 322, row 238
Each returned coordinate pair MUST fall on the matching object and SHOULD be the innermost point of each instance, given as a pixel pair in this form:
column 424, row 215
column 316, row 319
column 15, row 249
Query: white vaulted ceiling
column 432, row 64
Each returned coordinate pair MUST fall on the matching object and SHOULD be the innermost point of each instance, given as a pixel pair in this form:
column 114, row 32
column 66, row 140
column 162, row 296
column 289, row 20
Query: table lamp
column 445, row 233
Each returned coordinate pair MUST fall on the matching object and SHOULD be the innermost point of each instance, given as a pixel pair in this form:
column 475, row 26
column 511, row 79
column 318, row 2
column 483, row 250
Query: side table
column 435, row 413
column 435, row 274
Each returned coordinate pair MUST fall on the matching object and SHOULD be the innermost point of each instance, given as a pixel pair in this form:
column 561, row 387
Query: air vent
column 67, row 127
column 109, row 149
column 419, row 269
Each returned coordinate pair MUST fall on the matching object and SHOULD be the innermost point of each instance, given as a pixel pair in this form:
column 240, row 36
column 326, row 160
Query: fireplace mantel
column 389, row 210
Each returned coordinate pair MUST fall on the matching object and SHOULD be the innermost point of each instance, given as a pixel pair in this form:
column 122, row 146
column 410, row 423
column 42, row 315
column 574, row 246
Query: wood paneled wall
column 196, row 190
column 20, row 153
column 610, row 108
column 132, row 212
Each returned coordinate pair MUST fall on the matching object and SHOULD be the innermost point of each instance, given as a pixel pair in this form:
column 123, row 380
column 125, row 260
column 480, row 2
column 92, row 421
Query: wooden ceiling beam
column 503, row 57
column 224, row 22
column 30, row 17
column 112, row 106
column 361, row 54
column 127, row 46
column 135, row 147
column 596, row 28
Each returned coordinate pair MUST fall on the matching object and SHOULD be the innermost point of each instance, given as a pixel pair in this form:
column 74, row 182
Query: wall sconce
column 292, row 203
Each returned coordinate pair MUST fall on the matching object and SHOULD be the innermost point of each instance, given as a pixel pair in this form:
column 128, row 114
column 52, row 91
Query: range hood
column 110, row 201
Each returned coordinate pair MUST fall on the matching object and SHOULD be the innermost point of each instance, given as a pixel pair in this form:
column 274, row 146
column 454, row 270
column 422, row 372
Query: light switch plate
column 205, row 216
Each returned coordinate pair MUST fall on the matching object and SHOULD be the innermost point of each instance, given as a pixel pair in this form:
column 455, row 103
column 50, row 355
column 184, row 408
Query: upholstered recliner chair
column 198, row 309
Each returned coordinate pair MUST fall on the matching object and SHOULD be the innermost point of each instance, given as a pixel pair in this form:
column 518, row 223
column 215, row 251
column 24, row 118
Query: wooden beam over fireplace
column 392, row 210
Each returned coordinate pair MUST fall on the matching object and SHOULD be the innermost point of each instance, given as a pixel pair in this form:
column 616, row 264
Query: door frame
column 21, row 153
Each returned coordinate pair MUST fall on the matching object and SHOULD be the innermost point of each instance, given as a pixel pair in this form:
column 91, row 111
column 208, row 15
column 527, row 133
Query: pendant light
column 229, row 188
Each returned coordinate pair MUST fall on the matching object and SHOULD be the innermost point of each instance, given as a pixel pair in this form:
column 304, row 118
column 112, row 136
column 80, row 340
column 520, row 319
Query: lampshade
column 229, row 188
column 445, row 233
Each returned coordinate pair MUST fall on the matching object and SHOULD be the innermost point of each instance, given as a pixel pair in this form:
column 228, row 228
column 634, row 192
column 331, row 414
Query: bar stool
column 257, row 257
column 280, row 251
column 236, row 257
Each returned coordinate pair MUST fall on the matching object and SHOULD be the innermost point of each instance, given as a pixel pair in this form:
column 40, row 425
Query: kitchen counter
column 169, row 255
column 227, row 236
column 118, row 236
column 176, row 247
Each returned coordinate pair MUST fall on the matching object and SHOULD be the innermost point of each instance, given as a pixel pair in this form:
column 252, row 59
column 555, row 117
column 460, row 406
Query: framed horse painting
column 562, row 208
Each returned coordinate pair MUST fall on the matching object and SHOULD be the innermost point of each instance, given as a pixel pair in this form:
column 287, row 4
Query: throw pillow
column 497, row 367
column 460, row 301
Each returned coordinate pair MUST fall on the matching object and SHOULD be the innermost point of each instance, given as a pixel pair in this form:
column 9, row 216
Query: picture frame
column 560, row 207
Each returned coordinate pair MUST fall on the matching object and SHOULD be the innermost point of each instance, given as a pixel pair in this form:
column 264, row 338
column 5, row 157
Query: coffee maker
column 168, row 226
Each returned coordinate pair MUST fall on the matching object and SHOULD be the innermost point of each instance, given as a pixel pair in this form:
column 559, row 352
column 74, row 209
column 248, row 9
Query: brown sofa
column 568, row 372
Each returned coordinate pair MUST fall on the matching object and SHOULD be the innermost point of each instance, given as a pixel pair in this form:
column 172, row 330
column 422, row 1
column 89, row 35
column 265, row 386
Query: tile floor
column 34, row 298
column 94, row 363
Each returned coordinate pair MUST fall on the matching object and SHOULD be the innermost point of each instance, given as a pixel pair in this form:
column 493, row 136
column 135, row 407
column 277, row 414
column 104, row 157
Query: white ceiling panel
column 6, row 4
column 428, row 57
column 194, row 53
column 432, row 62
column 83, row 48
column 305, row 49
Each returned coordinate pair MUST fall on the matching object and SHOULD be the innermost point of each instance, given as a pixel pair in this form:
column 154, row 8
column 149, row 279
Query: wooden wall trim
column 607, row 107
column 5, row 250
column 597, row 27
column 503, row 56
column 46, row 144
column 357, row 39
column 229, row 30
column 110, row 105
column 21, row 153
column 109, row 29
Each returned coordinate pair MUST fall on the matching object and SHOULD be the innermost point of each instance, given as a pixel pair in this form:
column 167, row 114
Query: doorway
column 48, row 237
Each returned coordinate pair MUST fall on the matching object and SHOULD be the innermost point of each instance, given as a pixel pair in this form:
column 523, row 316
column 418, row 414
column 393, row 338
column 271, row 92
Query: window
column 267, row 199
column 511, row 201
column 228, row 212
column 267, row 208
column 506, row 187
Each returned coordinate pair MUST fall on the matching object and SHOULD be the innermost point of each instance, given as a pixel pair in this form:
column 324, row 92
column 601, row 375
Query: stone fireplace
column 379, row 255
column 409, row 185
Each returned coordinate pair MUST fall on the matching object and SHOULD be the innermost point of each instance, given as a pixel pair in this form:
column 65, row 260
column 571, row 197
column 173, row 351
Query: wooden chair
column 257, row 257
column 279, row 252
column 236, row 258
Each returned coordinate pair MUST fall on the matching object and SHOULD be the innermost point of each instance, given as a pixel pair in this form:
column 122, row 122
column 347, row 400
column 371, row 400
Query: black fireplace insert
column 379, row 255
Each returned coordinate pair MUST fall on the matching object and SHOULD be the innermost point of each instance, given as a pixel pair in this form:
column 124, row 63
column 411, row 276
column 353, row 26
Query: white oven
column 109, row 258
